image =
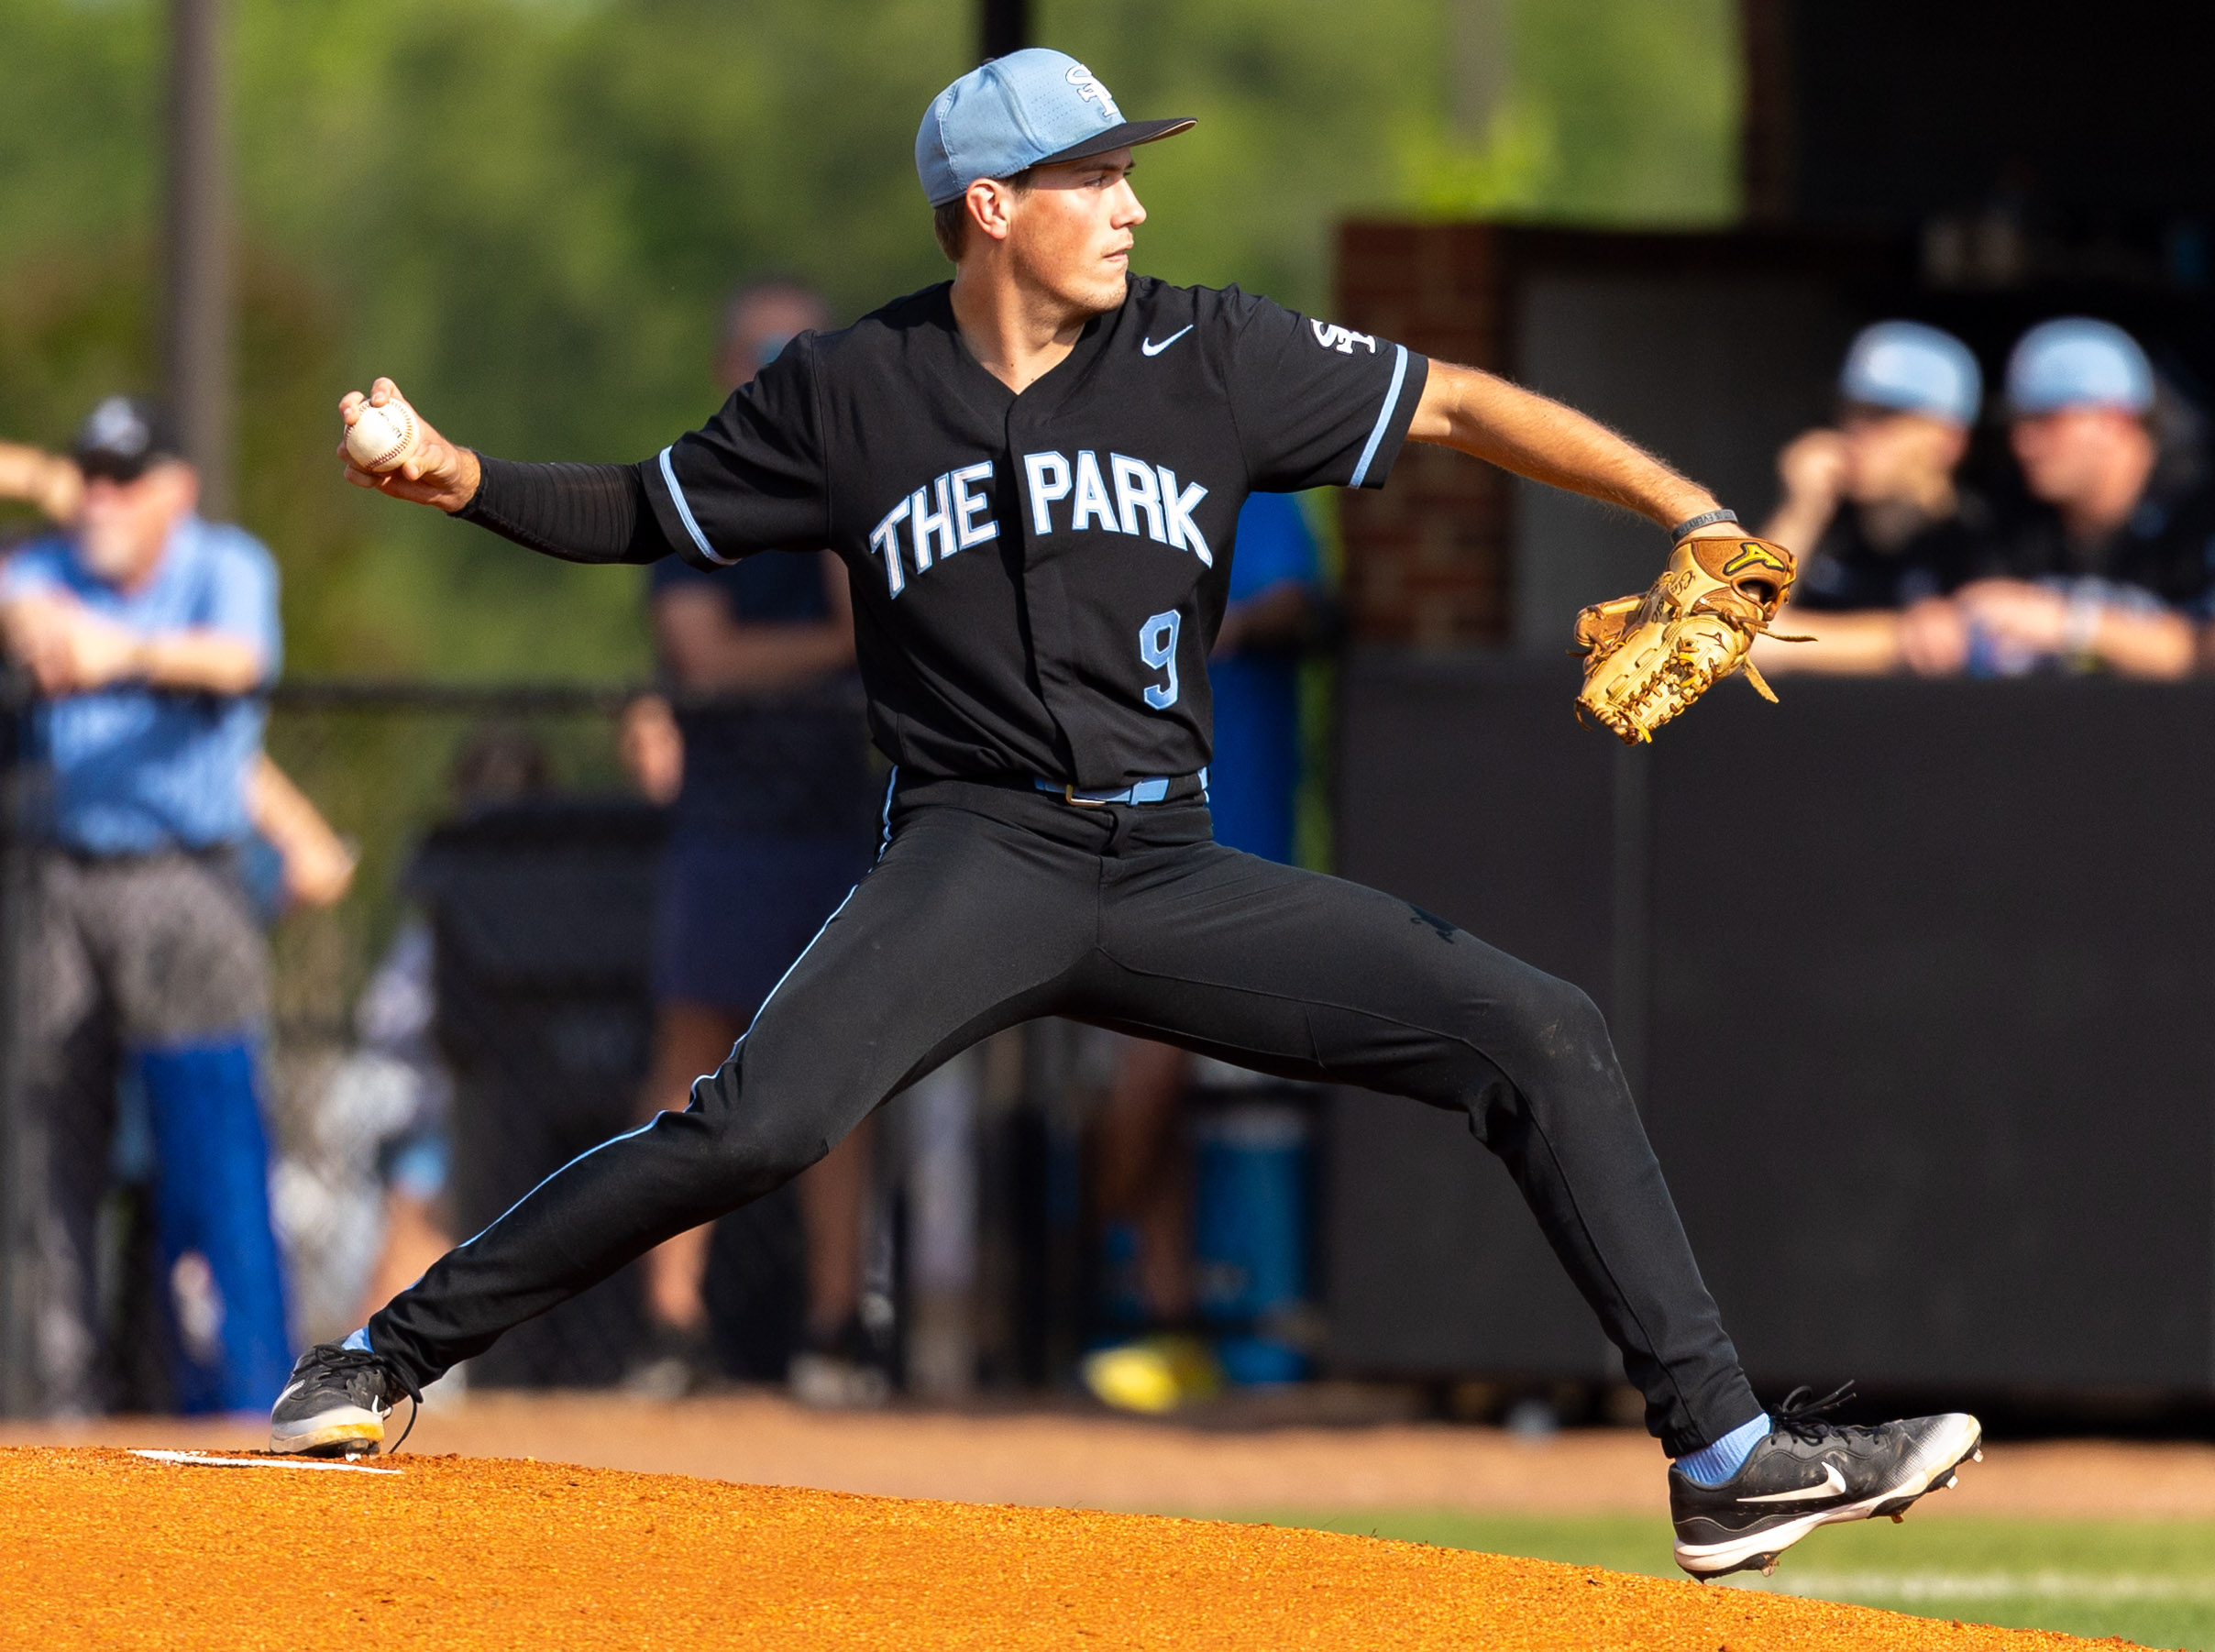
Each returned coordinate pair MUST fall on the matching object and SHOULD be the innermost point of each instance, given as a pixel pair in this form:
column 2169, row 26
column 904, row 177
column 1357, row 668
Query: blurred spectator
column 1275, row 613
column 1276, row 607
column 293, row 858
column 394, row 1024
column 2117, row 555
column 304, row 862
column 771, row 830
column 652, row 749
column 147, row 630
column 1882, row 525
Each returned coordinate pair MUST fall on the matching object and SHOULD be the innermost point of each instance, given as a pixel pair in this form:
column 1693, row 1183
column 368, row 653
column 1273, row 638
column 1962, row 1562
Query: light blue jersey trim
column 885, row 841
column 677, row 495
column 1360, row 471
column 359, row 1341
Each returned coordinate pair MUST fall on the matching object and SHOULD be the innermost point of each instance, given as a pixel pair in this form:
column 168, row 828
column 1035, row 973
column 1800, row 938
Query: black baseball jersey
column 1038, row 578
column 2165, row 546
column 1849, row 570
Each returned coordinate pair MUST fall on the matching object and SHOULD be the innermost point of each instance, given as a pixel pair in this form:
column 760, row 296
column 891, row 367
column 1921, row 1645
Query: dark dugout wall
column 1916, row 983
column 1882, row 114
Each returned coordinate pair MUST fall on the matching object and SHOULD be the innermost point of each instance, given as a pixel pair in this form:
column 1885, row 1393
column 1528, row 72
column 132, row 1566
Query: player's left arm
column 1485, row 417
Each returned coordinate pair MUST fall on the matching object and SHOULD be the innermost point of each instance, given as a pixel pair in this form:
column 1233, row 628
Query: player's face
column 1071, row 234
column 2072, row 453
column 1900, row 456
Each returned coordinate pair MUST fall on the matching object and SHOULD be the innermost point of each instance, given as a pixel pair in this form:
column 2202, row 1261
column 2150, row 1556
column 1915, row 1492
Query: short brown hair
column 949, row 220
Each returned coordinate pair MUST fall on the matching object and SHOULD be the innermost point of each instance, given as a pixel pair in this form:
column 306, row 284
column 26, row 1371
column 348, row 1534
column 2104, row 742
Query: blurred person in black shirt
column 773, row 814
column 2113, row 564
column 1884, row 527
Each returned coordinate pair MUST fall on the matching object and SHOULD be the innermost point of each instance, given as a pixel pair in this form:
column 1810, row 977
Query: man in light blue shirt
column 148, row 630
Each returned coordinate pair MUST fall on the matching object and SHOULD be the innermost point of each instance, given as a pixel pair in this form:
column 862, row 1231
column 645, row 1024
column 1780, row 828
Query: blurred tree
column 1619, row 112
column 529, row 210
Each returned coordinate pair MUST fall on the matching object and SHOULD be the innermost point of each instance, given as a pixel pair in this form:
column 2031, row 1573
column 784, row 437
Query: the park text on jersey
column 1127, row 495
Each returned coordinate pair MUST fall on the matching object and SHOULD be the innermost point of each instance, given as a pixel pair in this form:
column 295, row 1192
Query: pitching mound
column 111, row 1549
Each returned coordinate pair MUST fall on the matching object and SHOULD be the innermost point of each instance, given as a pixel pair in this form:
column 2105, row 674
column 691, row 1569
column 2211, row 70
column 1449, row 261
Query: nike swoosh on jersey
column 1148, row 347
column 1833, row 1485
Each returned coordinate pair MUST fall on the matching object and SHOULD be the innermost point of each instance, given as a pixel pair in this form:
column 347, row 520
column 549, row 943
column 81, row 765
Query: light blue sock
column 360, row 1343
column 1712, row 1465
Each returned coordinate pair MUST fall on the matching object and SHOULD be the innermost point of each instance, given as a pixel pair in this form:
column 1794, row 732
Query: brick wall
column 1427, row 559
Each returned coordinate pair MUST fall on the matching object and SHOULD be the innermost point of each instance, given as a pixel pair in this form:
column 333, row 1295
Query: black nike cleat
column 1809, row 1472
column 337, row 1403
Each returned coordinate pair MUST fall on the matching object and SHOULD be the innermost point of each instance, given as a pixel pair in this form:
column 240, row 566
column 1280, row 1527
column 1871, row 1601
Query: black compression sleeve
column 578, row 513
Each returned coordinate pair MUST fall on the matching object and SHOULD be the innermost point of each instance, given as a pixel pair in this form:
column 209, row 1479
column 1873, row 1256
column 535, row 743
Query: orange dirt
column 107, row 1549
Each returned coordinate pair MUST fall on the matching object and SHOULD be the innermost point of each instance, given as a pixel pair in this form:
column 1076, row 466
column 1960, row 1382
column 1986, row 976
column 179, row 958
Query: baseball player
column 1032, row 474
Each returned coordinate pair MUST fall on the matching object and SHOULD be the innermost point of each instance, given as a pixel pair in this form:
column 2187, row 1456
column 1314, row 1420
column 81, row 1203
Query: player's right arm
column 578, row 513
column 751, row 479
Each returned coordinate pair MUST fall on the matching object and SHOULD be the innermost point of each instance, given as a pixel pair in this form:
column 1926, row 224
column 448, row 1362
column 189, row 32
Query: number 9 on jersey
column 1157, row 648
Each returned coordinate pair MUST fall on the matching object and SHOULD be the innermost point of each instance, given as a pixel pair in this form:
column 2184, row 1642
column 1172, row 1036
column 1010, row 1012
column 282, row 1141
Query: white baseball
column 381, row 439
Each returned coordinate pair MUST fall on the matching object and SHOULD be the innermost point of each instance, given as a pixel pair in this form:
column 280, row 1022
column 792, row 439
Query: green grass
column 2149, row 1581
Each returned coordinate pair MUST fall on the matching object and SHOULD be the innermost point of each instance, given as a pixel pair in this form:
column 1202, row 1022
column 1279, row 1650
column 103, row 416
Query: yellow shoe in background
column 1153, row 1375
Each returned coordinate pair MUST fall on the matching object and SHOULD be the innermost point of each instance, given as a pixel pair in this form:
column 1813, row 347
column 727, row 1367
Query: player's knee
column 1566, row 1025
column 754, row 1154
column 770, row 1153
column 756, row 1144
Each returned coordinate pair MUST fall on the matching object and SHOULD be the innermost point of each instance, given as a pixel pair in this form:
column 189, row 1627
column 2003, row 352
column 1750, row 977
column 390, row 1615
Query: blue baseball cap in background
column 1906, row 367
column 1026, row 109
column 2077, row 362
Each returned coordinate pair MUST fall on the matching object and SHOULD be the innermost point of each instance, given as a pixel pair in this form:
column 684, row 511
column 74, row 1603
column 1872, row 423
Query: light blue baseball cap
column 1026, row 109
column 1910, row 368
column 2077, row 362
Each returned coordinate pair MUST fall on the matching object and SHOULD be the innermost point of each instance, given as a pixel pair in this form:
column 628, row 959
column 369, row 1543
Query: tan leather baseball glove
column 1648, row 657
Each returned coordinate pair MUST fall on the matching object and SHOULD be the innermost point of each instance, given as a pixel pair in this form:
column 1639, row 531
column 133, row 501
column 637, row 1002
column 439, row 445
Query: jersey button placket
column 1045, row 600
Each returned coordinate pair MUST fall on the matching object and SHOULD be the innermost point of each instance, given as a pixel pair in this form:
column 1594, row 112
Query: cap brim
column 107, row 466
column 1130, row 134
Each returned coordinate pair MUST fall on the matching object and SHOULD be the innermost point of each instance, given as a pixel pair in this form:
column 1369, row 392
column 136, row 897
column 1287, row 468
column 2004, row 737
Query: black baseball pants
column 989, row 907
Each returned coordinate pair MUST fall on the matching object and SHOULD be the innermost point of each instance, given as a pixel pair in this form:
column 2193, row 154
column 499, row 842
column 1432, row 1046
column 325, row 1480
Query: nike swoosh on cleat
column 1833, row 1485
column 1148, row 347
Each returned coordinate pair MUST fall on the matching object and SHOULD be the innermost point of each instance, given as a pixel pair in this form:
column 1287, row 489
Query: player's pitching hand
column 426, row 471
